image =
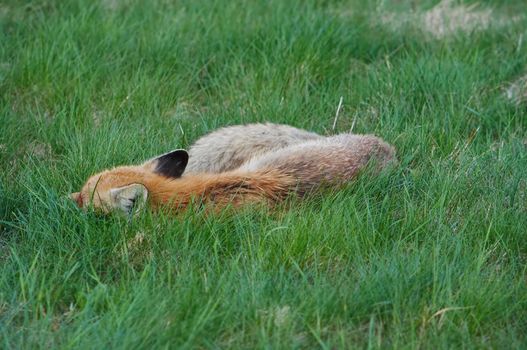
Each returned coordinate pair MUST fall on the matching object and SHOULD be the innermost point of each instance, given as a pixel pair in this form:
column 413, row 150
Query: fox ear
column 130, row 199
column 171, row 164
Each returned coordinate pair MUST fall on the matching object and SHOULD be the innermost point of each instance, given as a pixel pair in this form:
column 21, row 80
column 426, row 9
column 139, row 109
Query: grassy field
column 430, row 255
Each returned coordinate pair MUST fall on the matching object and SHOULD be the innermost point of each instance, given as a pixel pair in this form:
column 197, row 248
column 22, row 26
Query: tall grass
column 432, row 254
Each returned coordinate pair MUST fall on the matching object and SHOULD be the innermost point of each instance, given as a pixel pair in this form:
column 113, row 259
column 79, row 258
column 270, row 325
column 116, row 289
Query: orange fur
column 231, row 188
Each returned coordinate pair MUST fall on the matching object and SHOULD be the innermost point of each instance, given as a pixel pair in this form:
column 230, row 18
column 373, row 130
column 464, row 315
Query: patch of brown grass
column 446, row 19
column 517, row 91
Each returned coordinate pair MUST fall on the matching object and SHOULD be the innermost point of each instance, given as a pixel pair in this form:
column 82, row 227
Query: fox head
column 123, row 188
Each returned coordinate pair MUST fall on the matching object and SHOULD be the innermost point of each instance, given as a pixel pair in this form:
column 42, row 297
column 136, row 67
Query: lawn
column 432, row 254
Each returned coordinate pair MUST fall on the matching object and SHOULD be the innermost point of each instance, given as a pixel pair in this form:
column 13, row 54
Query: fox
column 267, row 178
column 229, row 147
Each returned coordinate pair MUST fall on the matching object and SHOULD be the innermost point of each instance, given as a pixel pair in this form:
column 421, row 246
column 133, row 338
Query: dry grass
column 446, row 19
column 517, row 91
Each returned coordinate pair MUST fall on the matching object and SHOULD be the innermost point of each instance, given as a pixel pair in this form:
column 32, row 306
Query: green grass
column 430, row 255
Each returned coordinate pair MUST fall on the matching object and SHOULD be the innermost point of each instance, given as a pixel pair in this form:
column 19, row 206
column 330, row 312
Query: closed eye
column 129, row 204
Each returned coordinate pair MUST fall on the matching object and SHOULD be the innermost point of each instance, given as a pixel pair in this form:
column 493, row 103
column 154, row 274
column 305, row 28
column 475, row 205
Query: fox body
column 230, row 147
column 266, row 178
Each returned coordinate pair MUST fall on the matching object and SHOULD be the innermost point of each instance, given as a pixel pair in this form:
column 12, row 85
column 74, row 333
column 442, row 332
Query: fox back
column 230, row 147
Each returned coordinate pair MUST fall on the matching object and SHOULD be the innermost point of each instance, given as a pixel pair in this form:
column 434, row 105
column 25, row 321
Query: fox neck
column 231, row 188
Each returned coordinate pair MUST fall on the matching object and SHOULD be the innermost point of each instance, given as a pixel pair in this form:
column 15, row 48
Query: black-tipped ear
column 171, row 164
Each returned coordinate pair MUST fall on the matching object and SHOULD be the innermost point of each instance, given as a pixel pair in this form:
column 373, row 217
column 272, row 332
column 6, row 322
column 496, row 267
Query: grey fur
column 230, row 147
column 329, row 160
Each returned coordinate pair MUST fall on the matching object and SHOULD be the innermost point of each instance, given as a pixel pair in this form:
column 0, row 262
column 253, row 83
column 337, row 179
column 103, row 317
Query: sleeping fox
column 228, row 148
column 267, row 178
